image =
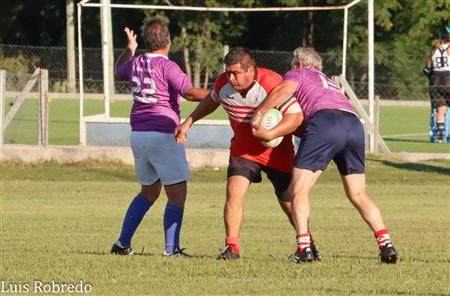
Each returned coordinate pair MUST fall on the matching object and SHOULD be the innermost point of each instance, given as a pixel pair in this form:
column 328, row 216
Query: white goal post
column 105, row 43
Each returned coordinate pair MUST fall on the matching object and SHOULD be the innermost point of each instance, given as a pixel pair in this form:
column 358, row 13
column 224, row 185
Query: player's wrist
column 258, row 112
column 132, row 48
column 189, row 121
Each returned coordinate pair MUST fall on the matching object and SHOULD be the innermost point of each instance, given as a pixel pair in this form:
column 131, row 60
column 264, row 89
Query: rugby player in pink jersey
column 330, row 131
column 157, row 85
column 239, row 90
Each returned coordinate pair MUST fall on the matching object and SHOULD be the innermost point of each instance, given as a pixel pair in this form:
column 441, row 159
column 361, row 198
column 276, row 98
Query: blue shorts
column 332, row 135
column 158, row 157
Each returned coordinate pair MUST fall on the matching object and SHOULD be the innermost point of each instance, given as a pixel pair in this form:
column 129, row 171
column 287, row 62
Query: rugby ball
column 270, row 119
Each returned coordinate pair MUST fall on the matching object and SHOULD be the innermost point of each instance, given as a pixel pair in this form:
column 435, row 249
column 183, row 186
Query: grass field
column 403, row 128
column 58, row 223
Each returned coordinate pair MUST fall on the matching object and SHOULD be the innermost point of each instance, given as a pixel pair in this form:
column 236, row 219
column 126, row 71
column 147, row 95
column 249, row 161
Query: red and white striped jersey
column 240, row 110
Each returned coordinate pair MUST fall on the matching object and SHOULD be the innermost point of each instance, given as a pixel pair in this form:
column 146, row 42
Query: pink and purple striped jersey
column 157, row 84
column 317, row 92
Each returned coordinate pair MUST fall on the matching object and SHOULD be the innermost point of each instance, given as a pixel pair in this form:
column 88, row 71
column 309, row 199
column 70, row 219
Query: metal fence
column 396, row 77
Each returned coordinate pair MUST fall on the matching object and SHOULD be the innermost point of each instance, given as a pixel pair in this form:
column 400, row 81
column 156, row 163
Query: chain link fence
column 396, row 77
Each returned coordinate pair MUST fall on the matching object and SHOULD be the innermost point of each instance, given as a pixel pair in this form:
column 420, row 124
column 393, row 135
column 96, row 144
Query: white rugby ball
column 270, row 119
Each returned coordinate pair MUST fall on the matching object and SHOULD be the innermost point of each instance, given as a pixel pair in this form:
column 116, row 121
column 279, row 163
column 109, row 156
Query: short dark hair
column 156, row 34
column 240, row 55
column 444, row 34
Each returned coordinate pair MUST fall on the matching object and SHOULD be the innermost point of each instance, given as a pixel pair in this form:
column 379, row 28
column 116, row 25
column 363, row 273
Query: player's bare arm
column 195, row 94
column 130, row 50
column 204, row 108
column 289, row 123
column 282, row 91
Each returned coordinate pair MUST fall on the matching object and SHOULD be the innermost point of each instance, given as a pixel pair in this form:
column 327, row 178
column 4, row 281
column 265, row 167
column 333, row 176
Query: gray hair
column 308, row 57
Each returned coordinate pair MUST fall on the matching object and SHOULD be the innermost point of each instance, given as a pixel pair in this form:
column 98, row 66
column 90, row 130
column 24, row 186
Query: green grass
column 401, row 126
column 59, row 221
column 404, row 128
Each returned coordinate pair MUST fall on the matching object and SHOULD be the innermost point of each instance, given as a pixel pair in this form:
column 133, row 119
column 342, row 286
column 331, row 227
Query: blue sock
column 136, row 211
column 173, row 218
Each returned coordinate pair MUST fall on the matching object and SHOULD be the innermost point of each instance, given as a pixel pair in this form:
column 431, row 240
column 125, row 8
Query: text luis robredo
column 38, row 286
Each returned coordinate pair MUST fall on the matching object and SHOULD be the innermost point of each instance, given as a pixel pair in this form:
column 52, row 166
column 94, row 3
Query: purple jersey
column 157, row 84
column 316, row 92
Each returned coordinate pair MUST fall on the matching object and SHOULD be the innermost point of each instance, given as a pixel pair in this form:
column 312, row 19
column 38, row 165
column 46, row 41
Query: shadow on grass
column 401, row 259
column 145, row 254
column 351, row 257
column 338, row 291
column 99, row 253
column 418, row 167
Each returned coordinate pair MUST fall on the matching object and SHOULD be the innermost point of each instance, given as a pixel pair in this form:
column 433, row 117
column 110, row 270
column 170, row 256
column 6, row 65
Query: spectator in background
column 157, row 84
column 437, row 68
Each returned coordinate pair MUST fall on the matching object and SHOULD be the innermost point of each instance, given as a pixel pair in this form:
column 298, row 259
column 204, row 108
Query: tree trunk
column 308, row 35
column 205, row 83
column 311, row 29
column 70, row 45
column 186, row 57
column 310, row 25
column 197, row 63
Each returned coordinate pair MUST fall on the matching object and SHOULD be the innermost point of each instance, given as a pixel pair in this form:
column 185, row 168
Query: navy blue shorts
column 239, row 166
column 332, row 135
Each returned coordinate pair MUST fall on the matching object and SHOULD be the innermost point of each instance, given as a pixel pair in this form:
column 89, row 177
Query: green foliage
column 17, row 64
column 60, row 86
column 19, row 69
column 405, row 30
column 31, row 23
column 202, row 35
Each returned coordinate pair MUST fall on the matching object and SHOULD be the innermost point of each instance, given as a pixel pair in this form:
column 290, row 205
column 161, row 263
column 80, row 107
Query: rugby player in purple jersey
column 330, row 131
column 157, row 85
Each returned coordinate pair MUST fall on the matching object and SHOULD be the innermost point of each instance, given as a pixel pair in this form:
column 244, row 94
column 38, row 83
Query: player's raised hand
column 131, row 38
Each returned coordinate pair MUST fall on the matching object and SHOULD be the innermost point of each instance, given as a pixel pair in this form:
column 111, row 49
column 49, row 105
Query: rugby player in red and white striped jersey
column 240, row 90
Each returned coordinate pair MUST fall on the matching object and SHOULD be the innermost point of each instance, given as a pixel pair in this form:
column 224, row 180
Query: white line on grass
column 403, row 135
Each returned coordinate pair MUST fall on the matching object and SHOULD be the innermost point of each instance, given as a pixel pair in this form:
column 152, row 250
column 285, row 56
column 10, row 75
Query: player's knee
column 149, row 195
column 358, row 196
column 296, row 192
column 177, row 200
column 284, row 197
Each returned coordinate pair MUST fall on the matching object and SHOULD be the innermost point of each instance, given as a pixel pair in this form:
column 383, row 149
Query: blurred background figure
column 437, row 68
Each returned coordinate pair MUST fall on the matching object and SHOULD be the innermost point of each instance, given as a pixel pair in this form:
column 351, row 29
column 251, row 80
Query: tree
column 31, row 23
column 407, row 29
column 201, row 35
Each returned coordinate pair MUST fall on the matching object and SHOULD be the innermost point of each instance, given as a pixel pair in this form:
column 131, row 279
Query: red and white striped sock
column 382, row 237
column 303, row 240
column 233, row 242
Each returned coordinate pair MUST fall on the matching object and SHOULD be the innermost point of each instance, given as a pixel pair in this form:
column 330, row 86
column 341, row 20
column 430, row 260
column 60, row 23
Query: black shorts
column 239, row 166
column 332, row 135
column 440, row 89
